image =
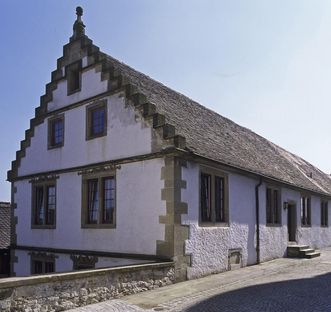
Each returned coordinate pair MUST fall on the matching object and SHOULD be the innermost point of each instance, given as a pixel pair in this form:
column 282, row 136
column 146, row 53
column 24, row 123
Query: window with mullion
column 44, row 205
column 42, row 263
column 99, row 201
column 213, row 204
column 273, row 206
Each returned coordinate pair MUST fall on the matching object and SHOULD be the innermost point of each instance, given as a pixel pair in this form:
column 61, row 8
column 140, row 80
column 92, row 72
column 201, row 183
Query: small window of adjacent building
column 56, row 132
column 324, row 213
column 99, row 202
column 305, row 211
column 213, row 198
column 44, row 205
column 42, row 263
column 73, row 73
column 96, row 120
column 273, row 206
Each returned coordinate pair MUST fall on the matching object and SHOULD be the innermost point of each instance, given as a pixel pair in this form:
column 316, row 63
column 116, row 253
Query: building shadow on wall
column 300, row 295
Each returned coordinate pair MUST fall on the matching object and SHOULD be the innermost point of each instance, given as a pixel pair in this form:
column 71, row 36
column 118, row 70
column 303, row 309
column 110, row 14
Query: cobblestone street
column 278, row 285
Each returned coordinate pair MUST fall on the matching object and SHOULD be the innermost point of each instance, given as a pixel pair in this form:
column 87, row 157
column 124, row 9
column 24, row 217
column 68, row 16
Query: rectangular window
column 37, row 267
column 73, row 73
column 99, row 202
column 108, row 200
column 324, row 213
column 44, row 205
column 42, row 263
column 205, row 198
column 273, row 206
column 96, row 120
column 93, row 201
column 56, row 132
column 213, row 199
column 305, row 211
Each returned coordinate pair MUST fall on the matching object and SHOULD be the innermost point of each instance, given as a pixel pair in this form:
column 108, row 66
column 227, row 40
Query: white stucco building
column 116, row 168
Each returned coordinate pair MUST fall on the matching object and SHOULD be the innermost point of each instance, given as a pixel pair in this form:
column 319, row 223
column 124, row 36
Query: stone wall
column 60, row 292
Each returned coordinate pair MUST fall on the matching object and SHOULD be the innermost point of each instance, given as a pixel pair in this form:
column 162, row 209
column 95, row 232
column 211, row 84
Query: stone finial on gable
column 78, row 27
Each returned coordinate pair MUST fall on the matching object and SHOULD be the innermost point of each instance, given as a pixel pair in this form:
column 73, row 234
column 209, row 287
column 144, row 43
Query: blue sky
column 264, row 64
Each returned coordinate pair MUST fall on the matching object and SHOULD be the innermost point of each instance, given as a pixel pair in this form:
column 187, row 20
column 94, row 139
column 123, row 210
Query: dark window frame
column 43, row 201
column 46, row 261
column 273, row 206
column 74, row 77
column 305, row 210
column 217, row 216
column 90, row 126
column 99, row 181
column 51, row 131
column 324, row 213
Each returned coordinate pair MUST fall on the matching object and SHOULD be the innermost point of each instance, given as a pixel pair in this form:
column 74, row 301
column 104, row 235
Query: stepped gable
column 190, row 125
column 5, row 218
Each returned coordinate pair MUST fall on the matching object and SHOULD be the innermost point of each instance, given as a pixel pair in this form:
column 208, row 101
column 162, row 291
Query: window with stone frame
column 99, row 201
column 324, row 213
column 273, row 207
column 42, row 263
column 213, row 197
column 96, row 124
column 305, row 211
column 44, row 204
column 56, row 131
column 73, row 74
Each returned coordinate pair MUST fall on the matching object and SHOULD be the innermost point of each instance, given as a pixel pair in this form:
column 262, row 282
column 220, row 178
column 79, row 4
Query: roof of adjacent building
column 5, row 217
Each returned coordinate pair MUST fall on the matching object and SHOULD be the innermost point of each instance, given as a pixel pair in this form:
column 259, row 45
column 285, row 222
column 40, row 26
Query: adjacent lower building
column 5, row 232
column 118, row 169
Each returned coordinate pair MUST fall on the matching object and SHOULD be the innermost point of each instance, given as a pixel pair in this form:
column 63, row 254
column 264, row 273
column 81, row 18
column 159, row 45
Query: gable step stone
column 158, row 120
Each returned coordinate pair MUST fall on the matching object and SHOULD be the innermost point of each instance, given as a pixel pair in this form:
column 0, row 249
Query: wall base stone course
column 61, row 292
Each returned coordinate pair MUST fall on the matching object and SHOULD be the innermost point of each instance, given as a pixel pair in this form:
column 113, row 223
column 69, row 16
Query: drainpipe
column 257, row 214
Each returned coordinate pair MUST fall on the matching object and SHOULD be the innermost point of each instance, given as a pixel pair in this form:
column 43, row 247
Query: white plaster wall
column 91, row 85
column 127, row 135
column 314, row 236
column 63, row 262
column 209, row 245
column 22, row 266
column 139, row 205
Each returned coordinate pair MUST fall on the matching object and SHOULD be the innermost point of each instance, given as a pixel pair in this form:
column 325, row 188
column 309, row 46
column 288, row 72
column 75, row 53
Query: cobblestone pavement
column 278, row 285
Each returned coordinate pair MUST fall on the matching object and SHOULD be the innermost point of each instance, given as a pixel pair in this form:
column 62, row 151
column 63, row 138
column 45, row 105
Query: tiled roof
column 4, row 225
column 218, row 138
